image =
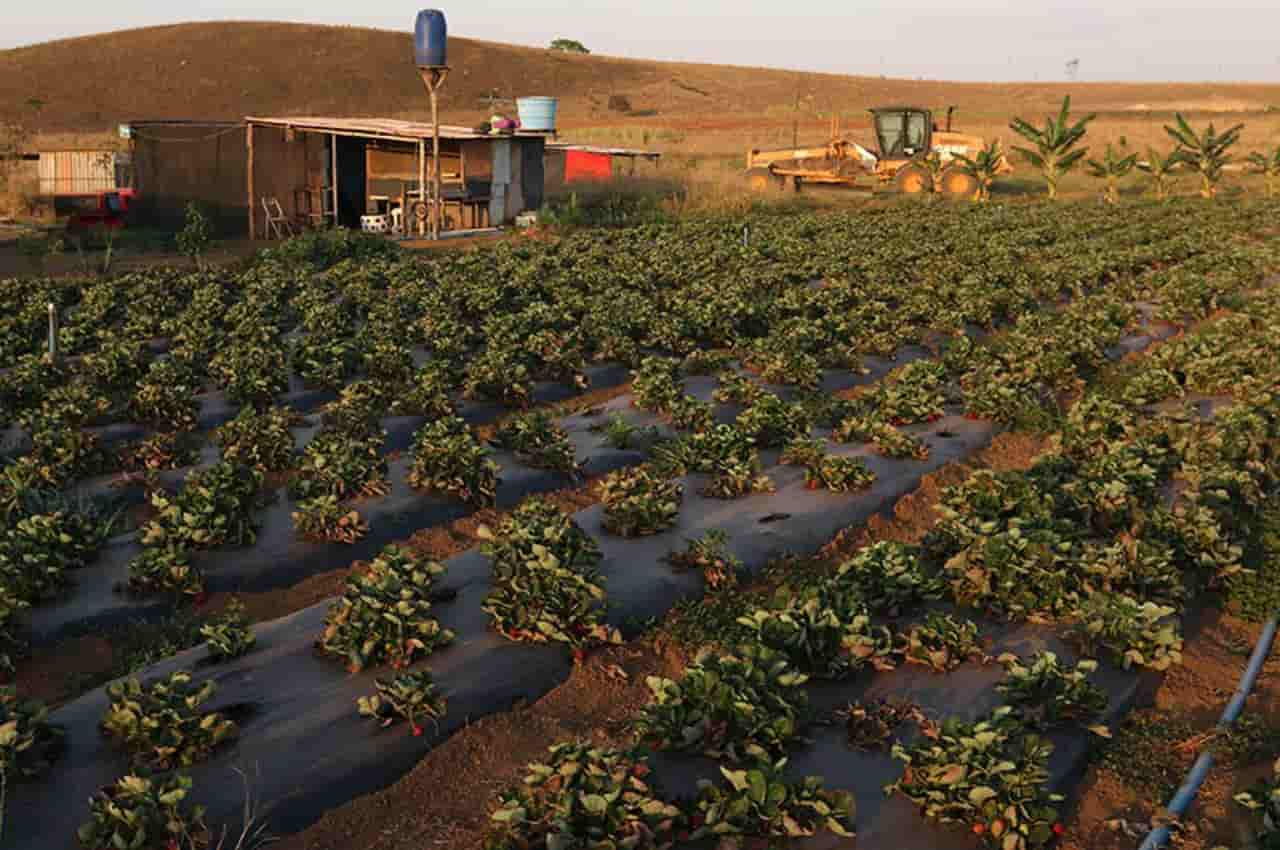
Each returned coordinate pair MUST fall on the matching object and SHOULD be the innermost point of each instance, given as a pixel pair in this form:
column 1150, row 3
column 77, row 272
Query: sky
column 978, row 40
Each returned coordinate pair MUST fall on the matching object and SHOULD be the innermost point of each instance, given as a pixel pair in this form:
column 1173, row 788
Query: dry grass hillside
column 227, row 70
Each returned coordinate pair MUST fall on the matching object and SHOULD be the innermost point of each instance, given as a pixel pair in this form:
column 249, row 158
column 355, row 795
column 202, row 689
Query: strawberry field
column 758, row 387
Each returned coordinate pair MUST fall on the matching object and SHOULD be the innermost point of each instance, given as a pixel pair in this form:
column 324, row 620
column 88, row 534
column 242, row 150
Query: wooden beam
column 333, row 175
column 253, row 202
column 422, row 178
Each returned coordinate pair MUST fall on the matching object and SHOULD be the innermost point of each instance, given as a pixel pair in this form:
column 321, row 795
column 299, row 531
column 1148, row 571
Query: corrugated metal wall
column 77, row 172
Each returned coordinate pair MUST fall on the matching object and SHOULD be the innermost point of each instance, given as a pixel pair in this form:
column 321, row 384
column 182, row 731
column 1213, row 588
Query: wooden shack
column 567, row 164
column 347, row 171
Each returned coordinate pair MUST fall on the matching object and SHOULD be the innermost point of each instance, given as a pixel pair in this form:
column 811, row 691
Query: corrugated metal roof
column 561, row 146
column 383, row 128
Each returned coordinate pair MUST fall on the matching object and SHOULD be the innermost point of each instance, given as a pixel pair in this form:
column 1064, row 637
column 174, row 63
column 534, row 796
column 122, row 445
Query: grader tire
column 957, row 184
column 913, row 180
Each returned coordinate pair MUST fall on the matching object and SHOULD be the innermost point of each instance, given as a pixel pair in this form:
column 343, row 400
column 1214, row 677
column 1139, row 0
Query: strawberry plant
column 28, row 743
column 889, row 578
column 690, row 414
column 260, row 439
column 1263, row 803
column 498, row 375
column 251, row 373
column 12, row 645
column 1046, row 694
column 942, row 643
column 758, row 802
column 888, row 440
column 839, row 474
column 988, row 776
column 741, row 707
column 229, row 635
column 1136, row 633
column 38, row 550
column 214, row 508
column 324, row 518
column 408, row 696
column 770, row 422
column 343, row 465
column 914, row 393
column 448, row 458
column 165, row 398
column 656, row 383
column 709, row 554
column 142, row 813
column 546, row 586
column 538, row 441
column 705, row 361
column 622, row 435
column 165, row 570
column 428, row 393
column 736, row 388
column 115, row 365
column 161, row 724
column 384, row 614
column 822, row 629
column 639, row 502
column 162, row 450
column 585, row 797
column 870, row 725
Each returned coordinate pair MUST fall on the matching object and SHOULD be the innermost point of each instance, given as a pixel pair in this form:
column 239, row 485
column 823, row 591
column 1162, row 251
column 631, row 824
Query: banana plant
column 1053, row 149
column 1268, row 165
column 1161, row 170
column 1204, row 153
column 984, row 166
column 1111, row 168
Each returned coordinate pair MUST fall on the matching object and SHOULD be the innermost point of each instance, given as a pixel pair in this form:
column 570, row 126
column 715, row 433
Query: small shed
column 327, row 171
column 569, row 163
column 179, row 161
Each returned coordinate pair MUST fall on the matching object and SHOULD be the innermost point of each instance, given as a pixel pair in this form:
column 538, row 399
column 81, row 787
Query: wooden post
column 422, row 181
column 333, row 176
column 253, row 202
column 433, row 79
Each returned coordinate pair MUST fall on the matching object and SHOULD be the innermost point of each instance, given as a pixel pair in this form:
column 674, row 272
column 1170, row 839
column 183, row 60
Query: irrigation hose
column 1157, row 837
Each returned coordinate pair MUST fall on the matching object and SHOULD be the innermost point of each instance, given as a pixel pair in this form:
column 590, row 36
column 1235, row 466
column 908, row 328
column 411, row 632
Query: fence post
column 53, row 332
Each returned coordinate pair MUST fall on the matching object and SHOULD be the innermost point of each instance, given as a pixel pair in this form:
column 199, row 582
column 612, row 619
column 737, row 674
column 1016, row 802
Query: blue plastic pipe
column 1195, row 777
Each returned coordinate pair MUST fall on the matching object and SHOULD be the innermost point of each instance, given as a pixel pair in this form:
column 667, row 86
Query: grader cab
column 905, row 136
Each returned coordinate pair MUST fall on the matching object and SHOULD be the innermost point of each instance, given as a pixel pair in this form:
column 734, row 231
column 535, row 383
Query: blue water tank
column 430, row 39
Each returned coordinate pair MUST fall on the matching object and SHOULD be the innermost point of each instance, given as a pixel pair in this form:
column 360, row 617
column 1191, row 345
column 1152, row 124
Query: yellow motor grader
column 905, row 136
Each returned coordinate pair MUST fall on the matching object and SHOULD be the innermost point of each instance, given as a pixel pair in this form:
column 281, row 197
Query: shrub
column 758, row 802
column 409, row 696
column 161, row 723
column 942, row 642
column 229, row 635
column 709, row 553
column 165, row 570
column 214, row 508
column 448, row 458
column 742, row 707
column 323, row 518
column 639, row 502
column 889, row 578
column 986, row 776
column 1047, row 694
column 585, row 797
column 144, row 813
column 538, row 441
column 384, row 615
column 260, row 439
column 1135, row 632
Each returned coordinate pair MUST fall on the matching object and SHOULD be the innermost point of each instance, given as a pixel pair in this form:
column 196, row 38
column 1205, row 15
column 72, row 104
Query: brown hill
column 232, row 69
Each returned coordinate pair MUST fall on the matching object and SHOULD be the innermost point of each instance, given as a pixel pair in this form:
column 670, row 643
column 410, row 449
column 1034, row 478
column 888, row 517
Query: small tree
column 1111, row 168
column 193, row 239
column 1161, row 169
column 1204, row 153
column 934, row 164
column 568, row 45
column 1054, row 149
column 984, row 167
column 1268, row 165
